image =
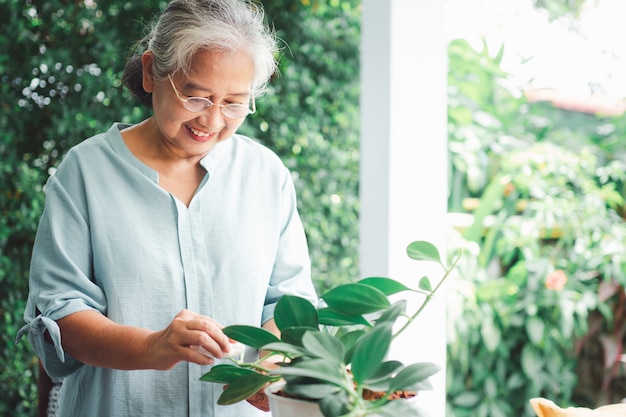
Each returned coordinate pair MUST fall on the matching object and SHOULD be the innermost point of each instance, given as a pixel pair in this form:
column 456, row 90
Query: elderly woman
column 157, row 235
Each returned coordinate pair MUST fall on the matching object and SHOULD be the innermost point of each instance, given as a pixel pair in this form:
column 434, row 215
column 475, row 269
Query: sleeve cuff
column 54, row 360
column 268, row 312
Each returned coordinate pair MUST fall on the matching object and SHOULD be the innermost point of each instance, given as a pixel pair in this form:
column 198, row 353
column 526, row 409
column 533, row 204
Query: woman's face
column 223, row 78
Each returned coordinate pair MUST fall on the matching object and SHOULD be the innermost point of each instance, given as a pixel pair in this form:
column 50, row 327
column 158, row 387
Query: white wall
column 403, row 160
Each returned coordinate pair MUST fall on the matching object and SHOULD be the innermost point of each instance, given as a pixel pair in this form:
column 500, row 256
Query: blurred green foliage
column 60, row 67
column 559, row 9
column 538, row 307
column 310, row 116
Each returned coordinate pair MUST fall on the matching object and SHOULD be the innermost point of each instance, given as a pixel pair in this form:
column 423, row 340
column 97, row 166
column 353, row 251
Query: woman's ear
column 147, row 80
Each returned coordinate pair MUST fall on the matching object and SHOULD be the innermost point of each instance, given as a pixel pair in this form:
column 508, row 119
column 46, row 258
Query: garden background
column 539, row 190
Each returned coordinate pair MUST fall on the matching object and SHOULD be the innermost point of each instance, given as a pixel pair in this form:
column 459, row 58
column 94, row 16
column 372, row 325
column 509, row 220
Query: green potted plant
column 334, row 356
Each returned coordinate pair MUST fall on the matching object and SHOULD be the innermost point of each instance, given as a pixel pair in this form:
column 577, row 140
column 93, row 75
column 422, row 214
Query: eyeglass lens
column 197, row 104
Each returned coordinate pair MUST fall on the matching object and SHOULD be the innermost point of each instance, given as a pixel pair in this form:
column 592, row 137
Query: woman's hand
column 189, row 337
column 94, row 339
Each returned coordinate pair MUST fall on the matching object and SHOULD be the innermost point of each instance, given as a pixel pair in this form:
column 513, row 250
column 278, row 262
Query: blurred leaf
column 491, row 197
column 310, row 389
column 397, row 408
column 532, row 362
column 491, row 334
column 535, row 329
column 409, row 377
column 285, row 348
column 335, row 404
column 324, row 345
column 350, row 340
column 425, row 284
column 315, row 368
column 393, row 312
column 467, row 399
column 384, row 371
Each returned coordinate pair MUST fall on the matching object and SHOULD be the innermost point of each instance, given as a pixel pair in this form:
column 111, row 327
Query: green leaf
column 491, row 334
column 393, row 312
column 385, row 370
column 330, row 317
column 535, row 328
column 309, row 388
column 355, row 299
column 515, row 381
column 336, row 404
column 320, row 369
column 293, row 335
column 488, row 248
column 421, row 250
column 425, row 284
column 349, row 340
column 387, row 286
column 412, row 375
column 324, row 345
column 491, row 197
column 255, row 337
column 285, row 348
column 494, row 290
column 225, row 374
column 532, row 362
column 466, row 399
column 243, row 388
column 490, row 387
column 381, row 380
column 397, row 408
column 370, row 352
column 496, row 411
column 292, row 311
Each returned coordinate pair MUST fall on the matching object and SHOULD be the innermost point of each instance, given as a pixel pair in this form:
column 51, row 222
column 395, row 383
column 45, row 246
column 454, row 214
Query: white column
column 404, row 160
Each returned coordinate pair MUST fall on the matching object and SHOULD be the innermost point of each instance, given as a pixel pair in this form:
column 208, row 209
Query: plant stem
column 429, row 297
column 257, row 364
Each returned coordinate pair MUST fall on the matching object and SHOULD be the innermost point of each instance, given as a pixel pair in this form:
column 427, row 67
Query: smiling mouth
column 199, row 133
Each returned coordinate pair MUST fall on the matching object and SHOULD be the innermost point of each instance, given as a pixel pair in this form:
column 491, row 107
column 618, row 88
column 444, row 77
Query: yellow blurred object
column 547, row 408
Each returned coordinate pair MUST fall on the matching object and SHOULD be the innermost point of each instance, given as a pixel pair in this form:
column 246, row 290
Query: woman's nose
column 212, row 116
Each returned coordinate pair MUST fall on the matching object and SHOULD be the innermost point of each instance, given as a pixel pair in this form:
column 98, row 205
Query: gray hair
column 187, row 26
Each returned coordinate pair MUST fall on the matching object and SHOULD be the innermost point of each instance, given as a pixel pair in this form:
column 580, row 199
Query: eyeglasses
column 197, row 104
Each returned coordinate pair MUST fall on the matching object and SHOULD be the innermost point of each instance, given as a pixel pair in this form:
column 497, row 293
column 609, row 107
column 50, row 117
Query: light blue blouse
column 112, row 240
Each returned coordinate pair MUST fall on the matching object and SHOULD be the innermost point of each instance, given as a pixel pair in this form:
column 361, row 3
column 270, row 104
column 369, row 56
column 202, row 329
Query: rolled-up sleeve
column 56, row 362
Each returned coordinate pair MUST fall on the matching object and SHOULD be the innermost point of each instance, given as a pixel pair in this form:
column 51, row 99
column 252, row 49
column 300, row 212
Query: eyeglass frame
column 210, row 104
